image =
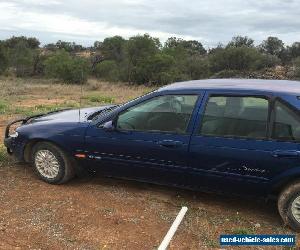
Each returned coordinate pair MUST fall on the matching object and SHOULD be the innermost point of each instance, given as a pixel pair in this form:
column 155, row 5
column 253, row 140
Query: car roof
column 279, row 86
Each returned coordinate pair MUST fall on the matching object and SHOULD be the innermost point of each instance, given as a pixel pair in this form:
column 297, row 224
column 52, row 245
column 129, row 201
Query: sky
column 208, row 21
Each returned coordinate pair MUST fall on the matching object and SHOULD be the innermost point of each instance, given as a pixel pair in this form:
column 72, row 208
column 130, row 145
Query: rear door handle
column 286, row 153
column 170, row 143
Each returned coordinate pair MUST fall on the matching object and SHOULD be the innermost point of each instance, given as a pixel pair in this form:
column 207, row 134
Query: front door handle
column 170, row 143
column 286, row 153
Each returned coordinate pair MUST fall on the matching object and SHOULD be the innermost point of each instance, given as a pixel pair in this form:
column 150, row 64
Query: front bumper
column 15, row 145
column 8, row 143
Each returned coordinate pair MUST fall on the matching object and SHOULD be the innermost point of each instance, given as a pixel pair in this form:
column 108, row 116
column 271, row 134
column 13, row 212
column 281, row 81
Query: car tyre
column 51, row 164
column 289, row 205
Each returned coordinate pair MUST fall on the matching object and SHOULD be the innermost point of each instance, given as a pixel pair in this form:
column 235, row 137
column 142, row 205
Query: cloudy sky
column 209, row 21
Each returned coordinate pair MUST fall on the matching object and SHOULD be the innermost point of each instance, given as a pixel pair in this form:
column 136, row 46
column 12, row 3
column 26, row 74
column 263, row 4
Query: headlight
column 14, row 135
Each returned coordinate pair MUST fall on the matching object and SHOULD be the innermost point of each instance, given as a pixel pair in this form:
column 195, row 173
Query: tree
column 266, row 61
column 191, row 46
column 272, row 46
column 189, row 57
column 30, row 42
column 107, row 70
column 290, row 53
column 241, row 41
column 197, row 67
column 97, row 45
column 33, row 43
column 64, row 67
column 39, row 63
column 3, row 58
column 138, row 49
column 21, row 58
column 296, row 63
column 113, row 48
column 67, row 46
column 295, row 50
column 234, row 58
column 156, row 69
column 50, row 46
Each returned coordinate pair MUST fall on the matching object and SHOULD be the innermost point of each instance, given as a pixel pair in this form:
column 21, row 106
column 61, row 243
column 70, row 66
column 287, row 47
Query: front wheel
column 289, row 205
column 51, row 163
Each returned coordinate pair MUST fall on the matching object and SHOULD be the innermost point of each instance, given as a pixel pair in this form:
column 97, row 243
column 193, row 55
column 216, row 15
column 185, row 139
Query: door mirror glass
column 108, row 126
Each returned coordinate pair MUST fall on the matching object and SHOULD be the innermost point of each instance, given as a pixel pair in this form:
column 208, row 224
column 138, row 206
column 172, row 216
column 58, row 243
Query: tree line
column 144, row 59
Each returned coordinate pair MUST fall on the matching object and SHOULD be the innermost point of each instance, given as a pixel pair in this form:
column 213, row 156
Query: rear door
column 230, row 148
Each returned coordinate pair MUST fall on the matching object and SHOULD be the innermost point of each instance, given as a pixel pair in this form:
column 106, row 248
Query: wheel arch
column 27, row 153
column 281, row 185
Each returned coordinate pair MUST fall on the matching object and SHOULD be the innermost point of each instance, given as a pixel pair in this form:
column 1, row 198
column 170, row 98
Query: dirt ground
column 103, row 213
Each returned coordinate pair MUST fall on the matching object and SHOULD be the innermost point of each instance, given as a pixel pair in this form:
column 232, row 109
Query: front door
column 231, row 149
column 150, row 140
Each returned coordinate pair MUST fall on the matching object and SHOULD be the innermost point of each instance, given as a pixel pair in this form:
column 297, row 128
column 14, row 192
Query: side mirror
column 109, row 126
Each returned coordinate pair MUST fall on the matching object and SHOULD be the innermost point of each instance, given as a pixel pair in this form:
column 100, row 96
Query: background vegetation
column 143, row 59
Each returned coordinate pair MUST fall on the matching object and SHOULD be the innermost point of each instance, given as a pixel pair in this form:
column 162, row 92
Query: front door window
column 169, row 113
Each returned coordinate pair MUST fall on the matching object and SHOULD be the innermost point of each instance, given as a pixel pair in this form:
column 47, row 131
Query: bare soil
column 104, row 213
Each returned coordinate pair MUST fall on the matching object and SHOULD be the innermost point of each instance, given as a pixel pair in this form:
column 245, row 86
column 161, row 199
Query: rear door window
column 287, row 123
column 235, row 116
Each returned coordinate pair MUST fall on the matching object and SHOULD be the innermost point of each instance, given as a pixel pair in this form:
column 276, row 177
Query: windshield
column 110, row 109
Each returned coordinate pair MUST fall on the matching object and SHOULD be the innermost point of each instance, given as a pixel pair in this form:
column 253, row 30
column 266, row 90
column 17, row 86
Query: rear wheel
column 289, row 205
column 51, row 163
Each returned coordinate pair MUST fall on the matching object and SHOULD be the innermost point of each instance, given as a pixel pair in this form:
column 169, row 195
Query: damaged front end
column 11, row 134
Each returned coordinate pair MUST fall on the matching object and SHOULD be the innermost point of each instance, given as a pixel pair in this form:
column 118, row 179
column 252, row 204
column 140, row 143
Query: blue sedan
column 232, row 136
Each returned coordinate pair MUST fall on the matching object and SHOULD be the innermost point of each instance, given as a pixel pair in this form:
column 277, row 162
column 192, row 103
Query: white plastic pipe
column 164, row 244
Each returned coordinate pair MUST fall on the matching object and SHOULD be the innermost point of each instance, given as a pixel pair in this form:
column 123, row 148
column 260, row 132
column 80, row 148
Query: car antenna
column 80, row 97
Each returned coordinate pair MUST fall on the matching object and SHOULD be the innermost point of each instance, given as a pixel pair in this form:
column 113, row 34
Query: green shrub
column 272, row 45
column 3, row 59
column 297, row 67
column 113, row 48
column 66, row 68
column 22, row 58
column 100, row 99
column 163, row 78
column 3, row 107
column 197, row 67
column 157, row 68
column 3, row 156
column 228, row 73
column 266, row 61
column 139, row 50
column 39, row 64
column 242, row 231
column 234, row 58
column 107, row 70
column 241, row 41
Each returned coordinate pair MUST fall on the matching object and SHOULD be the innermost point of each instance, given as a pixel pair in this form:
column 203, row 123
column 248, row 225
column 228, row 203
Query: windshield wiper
column 101, row 112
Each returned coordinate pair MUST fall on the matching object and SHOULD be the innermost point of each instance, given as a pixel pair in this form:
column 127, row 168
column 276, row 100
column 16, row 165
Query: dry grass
column 41, row 91
column 23, row 97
